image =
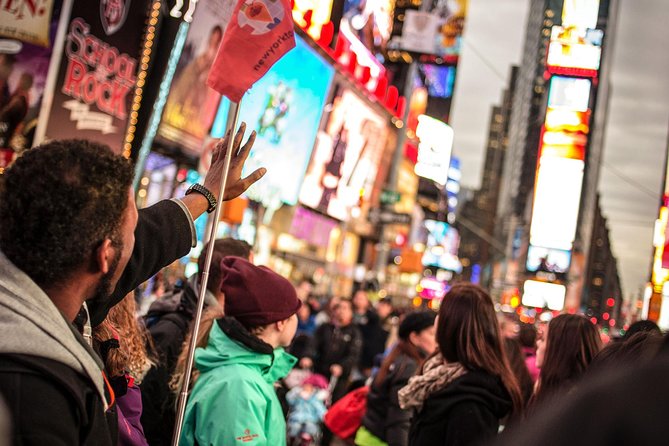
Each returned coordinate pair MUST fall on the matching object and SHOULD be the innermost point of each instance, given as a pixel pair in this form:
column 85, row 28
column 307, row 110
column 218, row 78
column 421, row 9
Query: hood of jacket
column 230, row 344
column 182, row 299
column 32, row 325
column 475, row 386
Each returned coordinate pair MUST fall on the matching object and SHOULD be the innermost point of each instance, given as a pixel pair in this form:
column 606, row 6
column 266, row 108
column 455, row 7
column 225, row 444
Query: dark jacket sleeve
column 163, row 235
column 354, row 351
column 470, row 424
column 399, row 420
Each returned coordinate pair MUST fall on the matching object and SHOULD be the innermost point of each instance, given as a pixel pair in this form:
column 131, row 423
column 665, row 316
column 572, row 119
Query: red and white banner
column 259, row 33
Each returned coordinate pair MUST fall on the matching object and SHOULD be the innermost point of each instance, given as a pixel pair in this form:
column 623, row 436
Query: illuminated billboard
column 439, row 79
column 580, row 13
column 548, row 260
column 320, row 15
column 573, row 48
column 284, row 107
column 567, row 120
column 570, row 93
column 191, row 105
column 434, row 150
column 346, row 157
column 543, row 294
column 441, row 246
column 556, row 202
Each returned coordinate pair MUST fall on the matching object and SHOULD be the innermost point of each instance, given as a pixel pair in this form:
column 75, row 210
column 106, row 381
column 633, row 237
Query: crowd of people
column 274, row 363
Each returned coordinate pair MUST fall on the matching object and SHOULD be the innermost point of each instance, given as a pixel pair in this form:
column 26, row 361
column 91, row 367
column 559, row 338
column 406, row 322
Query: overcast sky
column 638, row 121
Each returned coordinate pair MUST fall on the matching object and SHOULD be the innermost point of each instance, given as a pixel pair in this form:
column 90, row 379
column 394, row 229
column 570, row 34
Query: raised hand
column 236, row 185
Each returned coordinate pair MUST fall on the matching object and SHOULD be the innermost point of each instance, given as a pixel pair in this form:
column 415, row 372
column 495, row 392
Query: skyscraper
column 547, row 201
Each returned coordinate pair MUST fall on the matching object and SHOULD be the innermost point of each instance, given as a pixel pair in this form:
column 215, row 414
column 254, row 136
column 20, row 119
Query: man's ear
column 281, row 324
column 103, row 256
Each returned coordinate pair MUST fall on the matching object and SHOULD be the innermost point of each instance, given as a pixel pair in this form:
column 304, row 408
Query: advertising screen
column 346, row 157
column 556, row 202
column 438, row 79
column 370, row 21
column 285, row 109
column 567, row 120
column 580, row 13
column 191, row 104
column 542, row 294
column 441, row 246
column 548, row 260
column 570, row 93
column 434, row 150
column 575, row 48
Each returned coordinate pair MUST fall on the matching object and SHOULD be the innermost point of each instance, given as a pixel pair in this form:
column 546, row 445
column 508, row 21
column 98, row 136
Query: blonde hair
column 207, row 321
column 131, row 356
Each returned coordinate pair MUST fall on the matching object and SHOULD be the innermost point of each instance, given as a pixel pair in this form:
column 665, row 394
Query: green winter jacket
column 233, row 401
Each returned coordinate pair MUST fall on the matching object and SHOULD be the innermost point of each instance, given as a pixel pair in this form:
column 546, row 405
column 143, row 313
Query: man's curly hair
column 58, row 203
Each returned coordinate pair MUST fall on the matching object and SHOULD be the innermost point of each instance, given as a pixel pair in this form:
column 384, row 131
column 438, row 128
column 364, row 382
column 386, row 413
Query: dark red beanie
column 256, row 295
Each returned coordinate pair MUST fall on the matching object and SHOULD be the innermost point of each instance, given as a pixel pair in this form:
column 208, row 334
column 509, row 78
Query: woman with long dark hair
column 384, row 420
column 464, row 391
column 564, row 353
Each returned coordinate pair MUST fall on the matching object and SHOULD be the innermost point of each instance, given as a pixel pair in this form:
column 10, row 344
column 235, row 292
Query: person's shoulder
column 32, row 378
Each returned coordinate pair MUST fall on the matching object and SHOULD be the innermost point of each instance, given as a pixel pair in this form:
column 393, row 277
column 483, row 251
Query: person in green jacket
column 233, row 400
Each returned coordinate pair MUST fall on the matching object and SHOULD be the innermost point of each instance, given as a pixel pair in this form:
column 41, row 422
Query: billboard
column 96, row 78
column 580, row 13
column 320, row 15
column 543, row 294
column 569, row 93
column 436, row 32
column 572, row 48
column 312, row 227
column 24, row 65
column 370, row 21
column 557, row 198
column 442, row 242
column 434, row 150
column 348, row 152
column 567, row 120
column 191, row 105
column 548, row 260
column 285, row 109
column 438, row 79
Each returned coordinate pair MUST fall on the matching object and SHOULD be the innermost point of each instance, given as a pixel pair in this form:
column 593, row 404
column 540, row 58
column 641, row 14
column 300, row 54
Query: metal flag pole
column 204, row 276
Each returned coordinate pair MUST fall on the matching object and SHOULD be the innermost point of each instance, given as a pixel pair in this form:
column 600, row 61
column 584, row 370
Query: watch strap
column 200, row 189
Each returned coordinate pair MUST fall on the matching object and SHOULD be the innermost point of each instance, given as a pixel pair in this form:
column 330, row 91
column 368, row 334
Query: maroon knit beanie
column 256, row 295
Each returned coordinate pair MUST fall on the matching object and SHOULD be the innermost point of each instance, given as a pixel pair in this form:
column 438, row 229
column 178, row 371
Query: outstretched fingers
column 242, row 185
column 220, row 147
column 246, row 149
column 238, row 138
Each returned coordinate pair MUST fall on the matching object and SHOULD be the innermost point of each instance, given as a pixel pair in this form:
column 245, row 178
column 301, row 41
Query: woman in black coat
column 384, row 419
column 464, row 391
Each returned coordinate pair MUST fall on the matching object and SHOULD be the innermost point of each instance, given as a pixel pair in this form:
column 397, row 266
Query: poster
column 23, row 71
column 191, row 105
column 27, row 21
column 346, row 158
column 98, row 71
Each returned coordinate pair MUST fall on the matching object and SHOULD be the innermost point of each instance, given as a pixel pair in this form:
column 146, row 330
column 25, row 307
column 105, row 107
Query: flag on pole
column 259, row 33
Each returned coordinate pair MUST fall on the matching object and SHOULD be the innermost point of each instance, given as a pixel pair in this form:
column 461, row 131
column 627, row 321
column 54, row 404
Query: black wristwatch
column 200, row 189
